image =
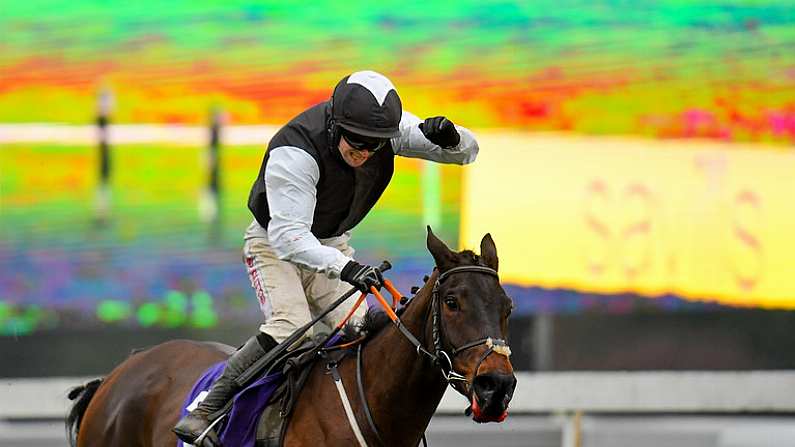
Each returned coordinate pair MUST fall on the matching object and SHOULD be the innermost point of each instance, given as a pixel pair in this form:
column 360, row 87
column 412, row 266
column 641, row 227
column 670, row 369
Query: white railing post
column 572, row 430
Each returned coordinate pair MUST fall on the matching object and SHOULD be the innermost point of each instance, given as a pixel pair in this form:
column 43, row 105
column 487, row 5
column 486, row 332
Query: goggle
column 363, row 143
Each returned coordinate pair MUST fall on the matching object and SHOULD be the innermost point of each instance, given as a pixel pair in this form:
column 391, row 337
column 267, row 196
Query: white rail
column 570, row 392
column 133, row 134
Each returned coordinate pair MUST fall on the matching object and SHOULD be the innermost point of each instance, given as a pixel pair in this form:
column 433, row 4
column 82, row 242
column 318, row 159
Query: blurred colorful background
column 663, row 69
column 621, row 121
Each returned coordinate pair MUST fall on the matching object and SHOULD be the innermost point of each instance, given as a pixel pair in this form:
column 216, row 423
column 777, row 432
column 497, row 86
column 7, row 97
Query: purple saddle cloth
column 240, row 427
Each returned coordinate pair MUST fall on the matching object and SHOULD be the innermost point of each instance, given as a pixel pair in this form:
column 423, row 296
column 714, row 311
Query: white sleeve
column 412, row 143
column 291, row 178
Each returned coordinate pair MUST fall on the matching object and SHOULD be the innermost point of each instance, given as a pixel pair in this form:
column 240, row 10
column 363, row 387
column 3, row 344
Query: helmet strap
column 332, row 128
column 334, row 134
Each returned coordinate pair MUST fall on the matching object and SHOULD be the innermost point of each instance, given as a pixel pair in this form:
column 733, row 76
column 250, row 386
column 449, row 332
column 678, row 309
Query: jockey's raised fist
column 440, row 131
column 362, row 276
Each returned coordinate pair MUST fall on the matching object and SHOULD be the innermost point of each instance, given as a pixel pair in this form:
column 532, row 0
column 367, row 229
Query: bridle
column 439, row 357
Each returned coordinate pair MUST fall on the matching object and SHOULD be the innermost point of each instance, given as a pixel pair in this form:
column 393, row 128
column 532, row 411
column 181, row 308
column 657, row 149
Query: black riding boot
column 190, row 427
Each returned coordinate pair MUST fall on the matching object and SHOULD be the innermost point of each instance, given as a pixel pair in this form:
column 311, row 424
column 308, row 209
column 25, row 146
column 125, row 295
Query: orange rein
column 390, row 310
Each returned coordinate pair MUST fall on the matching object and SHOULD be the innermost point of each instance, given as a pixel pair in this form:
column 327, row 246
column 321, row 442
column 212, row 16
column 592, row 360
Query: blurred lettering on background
column 701, row 220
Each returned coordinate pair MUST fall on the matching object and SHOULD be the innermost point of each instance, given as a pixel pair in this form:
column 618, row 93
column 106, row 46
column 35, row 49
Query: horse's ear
column 488, row 251
column 443, row 256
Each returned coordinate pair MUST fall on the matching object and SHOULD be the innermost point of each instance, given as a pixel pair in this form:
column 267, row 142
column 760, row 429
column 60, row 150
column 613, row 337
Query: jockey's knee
column 266, row 341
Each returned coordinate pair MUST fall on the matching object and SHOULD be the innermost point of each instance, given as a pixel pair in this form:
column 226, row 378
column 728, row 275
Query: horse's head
column 472, row 326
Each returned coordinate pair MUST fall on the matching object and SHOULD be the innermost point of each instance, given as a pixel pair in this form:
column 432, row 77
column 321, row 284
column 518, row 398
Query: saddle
column 257, row 416
column 273, row 422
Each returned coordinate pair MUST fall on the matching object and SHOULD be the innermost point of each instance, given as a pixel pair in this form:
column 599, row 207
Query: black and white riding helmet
column 366, row 103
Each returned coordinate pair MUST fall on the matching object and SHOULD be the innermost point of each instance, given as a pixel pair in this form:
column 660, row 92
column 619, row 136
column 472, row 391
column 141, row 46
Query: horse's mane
column 375, row 320
column 82, row 396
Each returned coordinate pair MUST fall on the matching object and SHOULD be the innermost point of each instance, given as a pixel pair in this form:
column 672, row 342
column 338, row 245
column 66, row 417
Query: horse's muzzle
column 491, row 394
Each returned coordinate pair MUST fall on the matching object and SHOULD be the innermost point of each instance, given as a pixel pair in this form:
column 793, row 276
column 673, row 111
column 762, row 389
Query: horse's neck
column 403, row 387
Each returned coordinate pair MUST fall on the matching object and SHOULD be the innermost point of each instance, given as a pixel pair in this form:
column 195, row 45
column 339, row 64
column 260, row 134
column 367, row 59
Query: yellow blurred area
column 702, row 220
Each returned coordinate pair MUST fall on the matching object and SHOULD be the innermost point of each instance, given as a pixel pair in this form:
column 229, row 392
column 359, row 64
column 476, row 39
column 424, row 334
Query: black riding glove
column 362, row 276
column 440, row 131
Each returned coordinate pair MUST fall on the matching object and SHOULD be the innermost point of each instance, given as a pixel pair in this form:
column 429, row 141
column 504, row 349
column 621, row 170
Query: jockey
column 322, row 173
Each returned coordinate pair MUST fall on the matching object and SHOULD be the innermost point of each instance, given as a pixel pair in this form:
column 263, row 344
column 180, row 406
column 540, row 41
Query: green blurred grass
column 48, row 194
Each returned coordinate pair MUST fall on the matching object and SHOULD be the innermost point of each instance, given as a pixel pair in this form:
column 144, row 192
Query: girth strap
column 346, row 404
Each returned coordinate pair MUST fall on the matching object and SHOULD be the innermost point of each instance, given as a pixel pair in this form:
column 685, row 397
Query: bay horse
column 450, row 329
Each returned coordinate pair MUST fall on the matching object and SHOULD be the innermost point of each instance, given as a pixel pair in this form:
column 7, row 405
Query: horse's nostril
column 494, row 386
column 485, row 383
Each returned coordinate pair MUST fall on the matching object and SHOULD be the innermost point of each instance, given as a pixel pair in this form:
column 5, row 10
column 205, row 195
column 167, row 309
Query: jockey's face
column 353, row 157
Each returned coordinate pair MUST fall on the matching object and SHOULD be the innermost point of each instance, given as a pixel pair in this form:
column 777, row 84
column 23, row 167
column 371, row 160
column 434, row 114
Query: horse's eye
column 451, row 302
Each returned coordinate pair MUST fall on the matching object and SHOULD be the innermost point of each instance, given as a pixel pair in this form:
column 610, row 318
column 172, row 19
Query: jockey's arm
column 412, row 143
column 291, row 179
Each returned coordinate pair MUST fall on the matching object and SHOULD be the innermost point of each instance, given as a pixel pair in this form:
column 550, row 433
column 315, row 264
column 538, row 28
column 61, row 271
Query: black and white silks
column 291, row 178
